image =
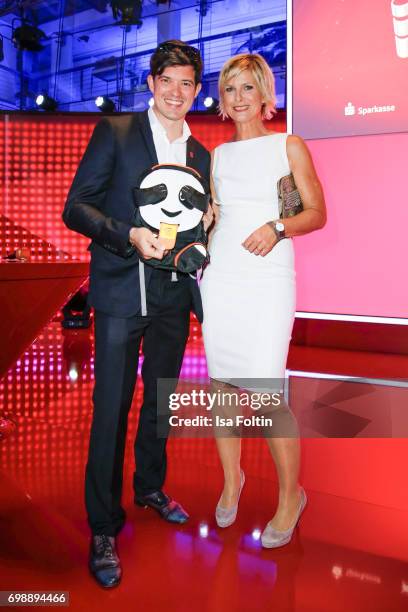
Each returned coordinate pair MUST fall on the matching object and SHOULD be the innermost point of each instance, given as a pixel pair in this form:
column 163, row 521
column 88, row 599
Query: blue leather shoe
column 104, row 563
column 168, row 508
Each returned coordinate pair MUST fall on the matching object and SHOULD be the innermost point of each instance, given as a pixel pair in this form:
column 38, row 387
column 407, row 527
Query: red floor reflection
column 349, row 553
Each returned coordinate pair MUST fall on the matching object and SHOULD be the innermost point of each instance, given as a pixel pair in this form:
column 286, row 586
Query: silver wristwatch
column 279, row 229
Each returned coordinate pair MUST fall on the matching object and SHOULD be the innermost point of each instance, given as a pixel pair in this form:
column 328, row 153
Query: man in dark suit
column 132, row 300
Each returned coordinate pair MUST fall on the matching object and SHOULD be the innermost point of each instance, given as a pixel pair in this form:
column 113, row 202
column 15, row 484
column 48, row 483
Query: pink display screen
column 350, row 102
column 350, row 67
column 356, row 264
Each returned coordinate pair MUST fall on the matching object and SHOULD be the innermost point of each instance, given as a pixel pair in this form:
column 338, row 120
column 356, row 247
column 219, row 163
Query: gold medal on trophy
column 168, row 235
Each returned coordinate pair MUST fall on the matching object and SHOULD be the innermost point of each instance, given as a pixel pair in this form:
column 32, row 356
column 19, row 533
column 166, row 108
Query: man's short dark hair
column 176, row 53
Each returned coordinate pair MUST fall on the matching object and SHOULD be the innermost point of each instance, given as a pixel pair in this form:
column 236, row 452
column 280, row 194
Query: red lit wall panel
column 39, row 155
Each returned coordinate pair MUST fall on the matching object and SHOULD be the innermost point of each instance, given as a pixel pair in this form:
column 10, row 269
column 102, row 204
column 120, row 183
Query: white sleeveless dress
column 248, row 300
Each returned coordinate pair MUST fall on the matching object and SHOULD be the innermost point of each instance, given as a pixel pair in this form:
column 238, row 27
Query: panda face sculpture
column 172, row 194
column 174, row 198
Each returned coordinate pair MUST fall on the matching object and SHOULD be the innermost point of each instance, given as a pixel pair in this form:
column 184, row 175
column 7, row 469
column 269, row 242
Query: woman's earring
column 267, row 113
column 222, row 113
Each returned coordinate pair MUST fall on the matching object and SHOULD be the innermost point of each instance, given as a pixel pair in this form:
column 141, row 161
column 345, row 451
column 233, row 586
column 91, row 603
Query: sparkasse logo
column 350, row 109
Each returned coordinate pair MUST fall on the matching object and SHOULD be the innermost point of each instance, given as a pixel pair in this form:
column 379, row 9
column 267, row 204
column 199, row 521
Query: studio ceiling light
column 211, row 104
column 106, row 105
column 46, row 103
column 28, row 38
column 128, row 12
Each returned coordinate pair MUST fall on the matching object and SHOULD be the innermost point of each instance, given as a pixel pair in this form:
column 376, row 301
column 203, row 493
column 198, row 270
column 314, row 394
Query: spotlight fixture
column 204, row 7
column 46, row 103
column 28, row 38
column 128, row 11
column 105, row 105
column 211, row 104
column 151, row 102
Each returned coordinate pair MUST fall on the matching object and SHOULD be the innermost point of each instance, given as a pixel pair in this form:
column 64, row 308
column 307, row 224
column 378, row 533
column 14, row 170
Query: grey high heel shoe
column 273, row 538
column 225, row 517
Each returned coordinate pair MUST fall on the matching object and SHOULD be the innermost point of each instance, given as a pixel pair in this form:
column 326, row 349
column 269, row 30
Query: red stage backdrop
column 351, row 267
column 39, row 155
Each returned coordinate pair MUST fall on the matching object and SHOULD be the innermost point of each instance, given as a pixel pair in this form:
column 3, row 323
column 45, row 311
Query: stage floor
column 350, row 551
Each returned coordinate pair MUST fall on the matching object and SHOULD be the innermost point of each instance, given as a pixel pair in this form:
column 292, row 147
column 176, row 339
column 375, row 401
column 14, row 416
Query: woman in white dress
column 248, row 290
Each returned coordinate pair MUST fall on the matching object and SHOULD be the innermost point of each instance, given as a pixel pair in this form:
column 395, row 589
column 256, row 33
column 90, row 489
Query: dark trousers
column 117, row 340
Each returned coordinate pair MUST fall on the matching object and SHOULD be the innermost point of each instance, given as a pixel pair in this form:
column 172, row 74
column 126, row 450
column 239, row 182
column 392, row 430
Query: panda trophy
column 171, row 201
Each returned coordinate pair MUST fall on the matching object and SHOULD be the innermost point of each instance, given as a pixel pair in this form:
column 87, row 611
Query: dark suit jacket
column 100, row 205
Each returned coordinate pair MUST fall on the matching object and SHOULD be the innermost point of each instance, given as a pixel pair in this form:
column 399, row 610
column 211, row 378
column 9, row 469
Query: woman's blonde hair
column 262, row 74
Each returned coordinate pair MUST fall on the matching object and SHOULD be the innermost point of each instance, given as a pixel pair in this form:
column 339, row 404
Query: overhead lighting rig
column 128, row 12
column 28, row 37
